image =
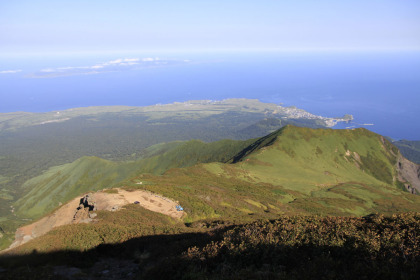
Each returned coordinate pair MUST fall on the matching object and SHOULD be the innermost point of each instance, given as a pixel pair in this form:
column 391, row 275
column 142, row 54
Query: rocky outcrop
column 409, row 174
column 84, row 213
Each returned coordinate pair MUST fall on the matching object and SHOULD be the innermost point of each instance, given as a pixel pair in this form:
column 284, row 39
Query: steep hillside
column 61, row 183
column 300, row 169
column 292, row 171
column 296, row 170
column 322, row 156
column 410, row 149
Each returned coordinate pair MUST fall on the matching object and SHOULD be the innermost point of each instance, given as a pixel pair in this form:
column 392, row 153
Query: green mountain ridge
column 357, row 149
column 293, row 171
column 62, row 183
column 298, row 162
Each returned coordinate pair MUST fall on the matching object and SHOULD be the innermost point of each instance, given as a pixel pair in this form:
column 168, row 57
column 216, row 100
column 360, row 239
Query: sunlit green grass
column 60, row 184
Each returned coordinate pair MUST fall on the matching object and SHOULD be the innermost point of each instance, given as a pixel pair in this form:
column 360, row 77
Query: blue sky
column 78, row 26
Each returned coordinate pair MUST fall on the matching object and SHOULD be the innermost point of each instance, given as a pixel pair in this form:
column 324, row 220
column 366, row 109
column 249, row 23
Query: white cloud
column 128, row 63
column 117, row 61
column 64, row 68
column 10, row 71
column 122, row 61
column 48, row 70
column 120, row 64
column 131, row 59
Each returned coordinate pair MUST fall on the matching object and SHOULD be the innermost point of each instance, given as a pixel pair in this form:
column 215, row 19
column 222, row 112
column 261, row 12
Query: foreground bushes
column 374, row 247
column 301, row 247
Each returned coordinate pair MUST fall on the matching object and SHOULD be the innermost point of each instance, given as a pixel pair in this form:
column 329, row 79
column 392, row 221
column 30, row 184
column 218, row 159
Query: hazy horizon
column 46, row 27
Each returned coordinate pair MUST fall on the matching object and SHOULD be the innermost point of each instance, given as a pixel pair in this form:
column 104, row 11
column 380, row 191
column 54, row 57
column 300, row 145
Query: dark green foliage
column 401, row 186
column 297, row 247
column 27, row 148
column 63, row 183
column 378, row 168
column 259, row 144
column 313, row 248
column 27, row 151
column 409, row 149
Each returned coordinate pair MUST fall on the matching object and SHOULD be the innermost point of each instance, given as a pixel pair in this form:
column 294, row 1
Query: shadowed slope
column 285, row 248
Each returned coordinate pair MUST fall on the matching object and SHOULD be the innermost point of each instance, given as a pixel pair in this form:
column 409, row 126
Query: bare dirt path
column 72, row 212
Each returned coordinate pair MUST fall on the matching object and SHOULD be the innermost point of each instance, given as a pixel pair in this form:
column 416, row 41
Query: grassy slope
column 294, row 170
column 410, row 149
column 346, row 170
column 63, row 183
column 308, row 159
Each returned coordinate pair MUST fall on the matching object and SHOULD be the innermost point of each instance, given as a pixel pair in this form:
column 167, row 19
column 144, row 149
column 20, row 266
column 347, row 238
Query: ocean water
column 381, row 90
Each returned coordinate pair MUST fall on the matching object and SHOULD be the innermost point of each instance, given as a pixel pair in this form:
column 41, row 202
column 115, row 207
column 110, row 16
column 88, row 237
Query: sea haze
column 382, row 89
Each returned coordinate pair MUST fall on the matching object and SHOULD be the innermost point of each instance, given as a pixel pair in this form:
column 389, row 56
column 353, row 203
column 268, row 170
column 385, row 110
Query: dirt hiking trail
column 82, row 210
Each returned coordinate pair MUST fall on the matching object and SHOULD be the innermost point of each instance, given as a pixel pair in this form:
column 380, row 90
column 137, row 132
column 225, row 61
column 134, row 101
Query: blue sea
column 381, row 90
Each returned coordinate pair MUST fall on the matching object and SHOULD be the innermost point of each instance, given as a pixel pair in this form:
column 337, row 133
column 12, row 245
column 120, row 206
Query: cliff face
column 409, row 174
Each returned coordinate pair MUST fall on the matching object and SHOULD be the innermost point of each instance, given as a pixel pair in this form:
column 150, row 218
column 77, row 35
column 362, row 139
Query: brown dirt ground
column 104, row 201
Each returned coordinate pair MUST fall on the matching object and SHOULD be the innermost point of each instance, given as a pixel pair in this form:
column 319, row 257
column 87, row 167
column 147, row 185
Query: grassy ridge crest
column 60, row 184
